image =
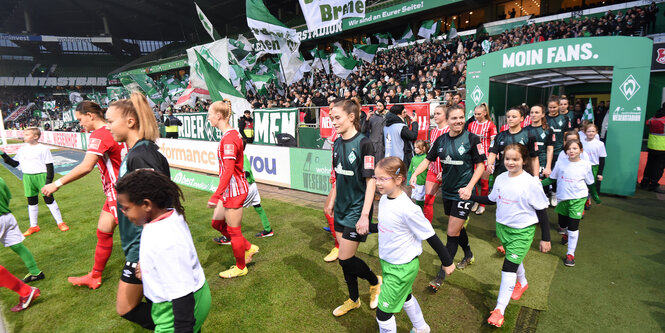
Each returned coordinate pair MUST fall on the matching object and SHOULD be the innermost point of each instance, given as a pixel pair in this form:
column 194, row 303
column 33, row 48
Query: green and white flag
column 323, row 13
column 272, row 36
column 365, row 52
column 342, row 66
column 260, row 82
column 75, row 97
column 385, row 39
column 217, row 56
column 321, row 60
column 428, row 29
column 588, row 112
column 116, row 93
column 337, row 47
column 49, row 105
column 407, row 36
column 452, row 33
column 148, row 87
column 220, row 88
column 293, row 67
column 207, row 25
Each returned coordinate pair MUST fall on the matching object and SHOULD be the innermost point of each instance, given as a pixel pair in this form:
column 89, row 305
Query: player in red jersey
column 485, row 129
column 107, row 154
column 232, row 189
column 434, row 171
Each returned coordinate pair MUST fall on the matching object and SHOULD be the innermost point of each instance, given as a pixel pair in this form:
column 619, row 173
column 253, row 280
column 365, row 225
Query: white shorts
column 10, row 234
column 418, row 193
column 253, row 197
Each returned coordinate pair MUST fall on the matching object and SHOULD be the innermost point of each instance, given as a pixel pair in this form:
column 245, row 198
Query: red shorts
column 111, row 206
column 234, row 202
column 431, row 177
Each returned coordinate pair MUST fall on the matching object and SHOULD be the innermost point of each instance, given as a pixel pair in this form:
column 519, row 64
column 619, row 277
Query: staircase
column 19, row 111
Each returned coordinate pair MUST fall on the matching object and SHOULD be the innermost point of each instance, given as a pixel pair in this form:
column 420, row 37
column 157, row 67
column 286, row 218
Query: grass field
column 617, row 284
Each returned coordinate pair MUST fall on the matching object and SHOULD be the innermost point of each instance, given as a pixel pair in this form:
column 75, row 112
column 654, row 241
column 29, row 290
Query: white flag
column 272, row 36
column 216, row 53
column 207, row 25
column 323, row 13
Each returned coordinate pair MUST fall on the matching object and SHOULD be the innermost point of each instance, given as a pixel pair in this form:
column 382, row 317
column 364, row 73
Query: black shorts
column 128, row 274
column 457, row 208
column 350, row 233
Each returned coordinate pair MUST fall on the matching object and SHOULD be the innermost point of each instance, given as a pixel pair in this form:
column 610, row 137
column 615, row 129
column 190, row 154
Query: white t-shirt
column 595, row 149
column 583, row 135
column 33, row 158
column 572, row 179
column 402, row 228
column 564, row 157
column 517, row 199
column 170, row 267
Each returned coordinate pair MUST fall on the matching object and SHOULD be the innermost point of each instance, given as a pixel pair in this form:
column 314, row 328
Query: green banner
column 310, row 170
column 194, row 180
column 268, row 123
column 195, row 126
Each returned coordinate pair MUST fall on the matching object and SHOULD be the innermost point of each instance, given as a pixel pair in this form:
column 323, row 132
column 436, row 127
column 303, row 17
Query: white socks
column 33, row 212
column 508, row 280
column 55, row 211
column 573, row 236
column 412, row 309
column 521, row 275
column 388, row 326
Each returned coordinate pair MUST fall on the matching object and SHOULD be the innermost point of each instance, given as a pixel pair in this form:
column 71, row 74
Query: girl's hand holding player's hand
column 448, row 269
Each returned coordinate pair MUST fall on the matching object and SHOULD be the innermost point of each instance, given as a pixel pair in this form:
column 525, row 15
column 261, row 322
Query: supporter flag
column 294, row 67
column 215, row 53
column 365, row 52
column 220, row 88
column 321, row 60
column 452, row 33
column 342, row 66
column 260, row 82
column 246, row 43
column 75, row 98
column 272, row 36
column 323, row 13
column 588, row 112
column 207, row 25
column 407, row 36
column 428, row 29
column 49, row 105
column 148, row 87
column 368, row 40
column 369, row 84
column 116, row 93
column 385, row 39
column 190, row 95
column 337, row 47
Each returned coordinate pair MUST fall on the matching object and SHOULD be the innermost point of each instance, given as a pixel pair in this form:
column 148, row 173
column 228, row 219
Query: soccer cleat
column 87, row 280
column 31, row 230
column 480, row 210
column 264, row 234
column 332, row 256
column 327, row 229
column 466, row 222
column 475, row 207
column 435, row 284
column 222, row 240
column 348, row 305
column 553, row 200
column 249, row 254
column 233, row 272
column 427, row 329
column 32, row 278
column 465, row 262
column 496, row 318
column 518, row 291
column 374, row 292
column 569, row 261
column 501, row 249
column 24, row 302
column 564, row 239
column 562, row 231
column 63, row 227
column 587, row 204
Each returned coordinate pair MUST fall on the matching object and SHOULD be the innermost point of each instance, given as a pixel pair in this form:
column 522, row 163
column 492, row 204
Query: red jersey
column 486, row 131
column 435, row 166
column 110, row 154
column 232, row 182
column 526, row 122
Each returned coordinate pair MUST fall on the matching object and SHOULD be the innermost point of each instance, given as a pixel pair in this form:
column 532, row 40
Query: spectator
column 398, row 137
column 246, row 127
column 653, row 170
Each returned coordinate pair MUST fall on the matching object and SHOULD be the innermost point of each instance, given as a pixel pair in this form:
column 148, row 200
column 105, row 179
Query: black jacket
column 409, row 135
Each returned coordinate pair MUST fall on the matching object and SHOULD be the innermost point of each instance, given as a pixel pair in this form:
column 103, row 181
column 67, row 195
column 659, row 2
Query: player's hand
column 547, row 172
column 331, row 180
column 465, row 193
column 439, row 177
column 545, row 246
column 490, row 168
column 362, row 227
column 137, row 271
column 413, row 181
column 49, row 189
column 448, row 269
column 329, row 209
column 600, row 178
column 212, row 205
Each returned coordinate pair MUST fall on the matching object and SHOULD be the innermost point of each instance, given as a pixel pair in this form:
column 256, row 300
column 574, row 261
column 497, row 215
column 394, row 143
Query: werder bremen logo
column 477, row 95
column 629, row 87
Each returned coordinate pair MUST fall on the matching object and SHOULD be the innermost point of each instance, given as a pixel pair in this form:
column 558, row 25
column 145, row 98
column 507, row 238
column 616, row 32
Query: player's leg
column 219, row 223
column 354, row 268
column 11, row 237
column 484, row 190
column 105, row 228
column 26, row 293
column 334, row 253
column 55, row 212
column 243, row 250
column 573, row 238
column 508, row 280
column 128, row 301
column 431, row 188
column 254, row 199
column 33, row 213
column 458, row 212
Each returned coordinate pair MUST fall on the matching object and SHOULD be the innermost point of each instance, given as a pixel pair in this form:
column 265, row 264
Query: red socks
column 331, row 224
column 428, row 209
column 102, row 252
column 9, row 281
column 484, row 187
column 221, row 226
column 239, row 245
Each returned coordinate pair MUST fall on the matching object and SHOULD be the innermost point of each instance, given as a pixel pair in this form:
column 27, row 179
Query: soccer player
column 352, row 201
column 483, row 127
column 559, row 124
column 462, row 165
column 521, row 204
column 575, row 179
column 402, row 227
column 131, row 121
column 515, row 134
column 107, row 154
column 433, row 180
column 544, row 137
column 420, row 147
column 11, row 236
column 36, row 164
column 595, row 150
column 26, row 294
column 330, row 199
column 231, row 192
column 169, row 265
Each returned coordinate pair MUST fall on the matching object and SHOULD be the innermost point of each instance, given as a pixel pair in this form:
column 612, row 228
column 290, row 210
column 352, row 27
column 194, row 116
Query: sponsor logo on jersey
column 449, row 160
column 340, row 171
column 481, row 150
column 369, row 162
column 94, row 144
column 535, row 146
column 229, row 149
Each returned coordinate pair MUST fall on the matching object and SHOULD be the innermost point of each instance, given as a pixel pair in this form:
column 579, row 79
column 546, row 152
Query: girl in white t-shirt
column 402, row 227
column 595, row 149
column 571, row 135
column 169, row 266
column 521, row 204
column 575, row 181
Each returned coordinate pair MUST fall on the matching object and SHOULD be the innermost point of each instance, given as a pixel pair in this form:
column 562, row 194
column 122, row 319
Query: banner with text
column 310, row 170
column 269, row 122
column 323, row 13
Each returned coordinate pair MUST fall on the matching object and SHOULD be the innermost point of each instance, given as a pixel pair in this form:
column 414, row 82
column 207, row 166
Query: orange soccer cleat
column 63, row 227
column 31, row 230
column 518, row 291
column 89, row 280
column 496, row 318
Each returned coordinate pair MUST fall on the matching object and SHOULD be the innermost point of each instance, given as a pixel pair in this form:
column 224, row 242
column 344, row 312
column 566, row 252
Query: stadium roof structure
column 554, row 77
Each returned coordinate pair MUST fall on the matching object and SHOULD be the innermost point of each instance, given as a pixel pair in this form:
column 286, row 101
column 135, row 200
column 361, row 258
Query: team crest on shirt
column 461, row 150
column 94, row 144
column 560, row 122
column 352, row 157
column 229, row 149
column 542, row 135
column 369, row 162
column 522, row 142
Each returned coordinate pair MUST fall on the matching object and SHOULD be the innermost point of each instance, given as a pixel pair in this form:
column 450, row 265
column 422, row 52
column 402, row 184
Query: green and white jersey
column 505, row 138
column 559, row 125
column 353, row 162
column 544, row 138
column 458, row 155
column 517, row 199
column 5, row 196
